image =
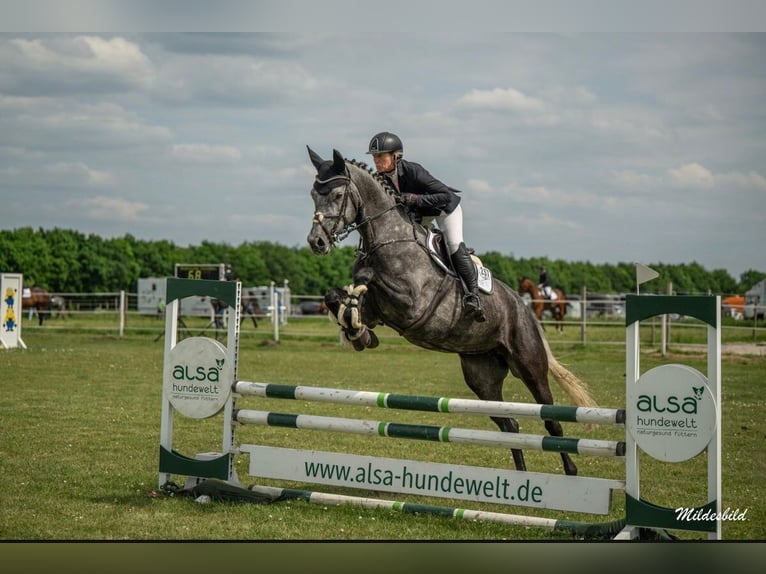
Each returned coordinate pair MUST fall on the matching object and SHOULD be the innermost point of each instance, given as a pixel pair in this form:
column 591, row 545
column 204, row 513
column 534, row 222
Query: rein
column 349, row 229
column 375, row 246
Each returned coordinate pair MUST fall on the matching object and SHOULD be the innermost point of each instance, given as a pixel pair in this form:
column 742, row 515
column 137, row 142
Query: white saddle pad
column 484, row 275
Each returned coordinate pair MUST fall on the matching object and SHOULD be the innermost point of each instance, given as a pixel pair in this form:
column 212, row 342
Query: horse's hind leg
column 534, row 374
column 484, row 375
column 560, row 313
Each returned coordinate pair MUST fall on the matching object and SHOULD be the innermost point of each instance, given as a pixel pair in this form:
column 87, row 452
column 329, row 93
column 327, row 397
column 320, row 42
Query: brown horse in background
column 558, row 307
column 39, row 300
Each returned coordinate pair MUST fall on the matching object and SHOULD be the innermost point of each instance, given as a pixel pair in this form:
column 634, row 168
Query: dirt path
column 758, row 349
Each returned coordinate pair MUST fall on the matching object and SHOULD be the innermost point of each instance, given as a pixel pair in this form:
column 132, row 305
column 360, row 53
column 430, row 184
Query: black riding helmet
column 385, row 142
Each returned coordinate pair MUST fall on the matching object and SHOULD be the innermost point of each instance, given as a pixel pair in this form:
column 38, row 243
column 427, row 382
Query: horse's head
column 335, row 208
column 526, row 285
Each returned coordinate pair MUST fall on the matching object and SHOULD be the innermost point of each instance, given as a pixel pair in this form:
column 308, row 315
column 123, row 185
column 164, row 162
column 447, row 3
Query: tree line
column 67, row 261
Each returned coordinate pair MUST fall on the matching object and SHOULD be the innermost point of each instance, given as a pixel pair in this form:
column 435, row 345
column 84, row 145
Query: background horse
column 58, row 307
column 396, row 283
column 250, row 308
column 219, row 306
column 558, row 308
column 39, row 300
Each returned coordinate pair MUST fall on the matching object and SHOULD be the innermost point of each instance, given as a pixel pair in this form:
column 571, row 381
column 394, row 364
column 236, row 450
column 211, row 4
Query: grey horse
column 397, row 283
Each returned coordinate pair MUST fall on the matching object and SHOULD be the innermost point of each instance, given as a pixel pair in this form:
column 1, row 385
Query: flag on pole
column 644, row 274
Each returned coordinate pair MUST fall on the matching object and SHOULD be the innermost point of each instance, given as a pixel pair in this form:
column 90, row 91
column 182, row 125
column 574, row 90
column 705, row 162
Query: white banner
column 478, row 484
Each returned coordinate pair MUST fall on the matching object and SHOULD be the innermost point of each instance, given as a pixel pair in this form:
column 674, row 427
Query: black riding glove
column 411, row 199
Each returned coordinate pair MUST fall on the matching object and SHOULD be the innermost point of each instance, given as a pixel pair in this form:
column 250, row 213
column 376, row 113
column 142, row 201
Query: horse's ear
column 315, row 159
column 339, row 164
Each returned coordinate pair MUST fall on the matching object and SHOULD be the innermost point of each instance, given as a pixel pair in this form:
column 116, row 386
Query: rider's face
column 384, row 162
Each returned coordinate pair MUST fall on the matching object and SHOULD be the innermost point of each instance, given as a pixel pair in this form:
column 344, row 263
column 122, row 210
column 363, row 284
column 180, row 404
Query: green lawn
column 79, row 413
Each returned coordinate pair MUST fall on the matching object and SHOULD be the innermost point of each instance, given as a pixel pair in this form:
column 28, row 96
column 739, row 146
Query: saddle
column 553, row 297
column 437, row 249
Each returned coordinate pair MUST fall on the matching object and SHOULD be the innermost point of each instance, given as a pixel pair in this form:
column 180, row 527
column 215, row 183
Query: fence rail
column 118, row 311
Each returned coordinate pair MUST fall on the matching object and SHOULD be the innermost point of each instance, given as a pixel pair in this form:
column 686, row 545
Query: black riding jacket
column 435, row 196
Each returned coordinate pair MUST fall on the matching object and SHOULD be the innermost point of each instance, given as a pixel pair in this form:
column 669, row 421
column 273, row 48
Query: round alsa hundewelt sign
column 197, row 379
column 672, row 415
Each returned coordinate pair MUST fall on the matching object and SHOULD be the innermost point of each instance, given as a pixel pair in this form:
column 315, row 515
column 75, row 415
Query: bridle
column 340, row 229
column 324, row 187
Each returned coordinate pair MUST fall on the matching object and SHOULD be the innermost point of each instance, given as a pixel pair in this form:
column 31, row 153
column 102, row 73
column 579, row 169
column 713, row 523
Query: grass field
column 79, row 420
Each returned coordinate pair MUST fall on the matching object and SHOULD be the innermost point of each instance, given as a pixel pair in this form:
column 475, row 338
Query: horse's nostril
column 316, row 243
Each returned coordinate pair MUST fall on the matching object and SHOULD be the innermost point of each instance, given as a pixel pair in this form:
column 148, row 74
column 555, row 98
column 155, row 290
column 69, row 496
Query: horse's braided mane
column 375, row 175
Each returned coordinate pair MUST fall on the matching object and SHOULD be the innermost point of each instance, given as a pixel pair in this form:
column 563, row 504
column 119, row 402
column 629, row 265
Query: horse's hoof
column 358, row 345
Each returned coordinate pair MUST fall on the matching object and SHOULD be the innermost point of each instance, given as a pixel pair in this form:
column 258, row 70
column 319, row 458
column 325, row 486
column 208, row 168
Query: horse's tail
column 574, row 387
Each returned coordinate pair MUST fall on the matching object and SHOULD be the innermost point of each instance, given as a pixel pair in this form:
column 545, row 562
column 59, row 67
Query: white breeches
column 451, row 225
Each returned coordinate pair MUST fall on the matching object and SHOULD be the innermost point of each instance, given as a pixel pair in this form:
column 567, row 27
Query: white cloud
column 631, row 178
column 696, row 175
column 67, row 62
column 751, row 180
column 479, row 185
column 303, row 173
column 79, row 172
column 577, row 96
column 57, row 176
column 501, row 99
column 692, row 175
column 627, row 121
column 18, row 152
column 240, row 80
column 47, row 123
column 110, row 208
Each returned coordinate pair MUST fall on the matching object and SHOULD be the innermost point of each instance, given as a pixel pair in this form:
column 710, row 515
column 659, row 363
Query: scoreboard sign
column 211, row 271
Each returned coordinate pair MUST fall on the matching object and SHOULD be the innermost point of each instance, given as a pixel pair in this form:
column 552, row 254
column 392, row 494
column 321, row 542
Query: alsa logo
column 670, row 404
column 201, row 373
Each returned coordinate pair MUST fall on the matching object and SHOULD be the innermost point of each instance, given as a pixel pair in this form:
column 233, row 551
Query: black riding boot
column 465, row 268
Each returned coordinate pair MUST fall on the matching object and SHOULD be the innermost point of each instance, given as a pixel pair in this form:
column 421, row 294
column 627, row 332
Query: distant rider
column 543, row 284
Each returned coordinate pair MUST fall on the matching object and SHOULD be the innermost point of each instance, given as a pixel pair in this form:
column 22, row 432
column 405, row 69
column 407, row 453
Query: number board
column 211, row 271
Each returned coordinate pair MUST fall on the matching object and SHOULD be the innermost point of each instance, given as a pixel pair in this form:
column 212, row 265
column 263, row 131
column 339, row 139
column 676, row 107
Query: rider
column 543, row 284
column 429, row 197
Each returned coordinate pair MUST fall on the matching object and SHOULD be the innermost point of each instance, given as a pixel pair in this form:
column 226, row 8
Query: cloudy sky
column 600, row 147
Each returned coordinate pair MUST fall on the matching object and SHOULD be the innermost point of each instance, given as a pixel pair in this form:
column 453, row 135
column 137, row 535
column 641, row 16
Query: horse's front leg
column 346, row 308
